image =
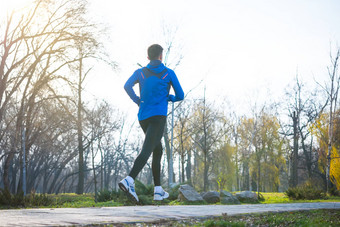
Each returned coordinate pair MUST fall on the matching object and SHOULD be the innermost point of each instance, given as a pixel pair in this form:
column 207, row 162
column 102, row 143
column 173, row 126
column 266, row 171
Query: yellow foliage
column 224, row 167
column 261, row 141
column 320, row 130
column 335, row 168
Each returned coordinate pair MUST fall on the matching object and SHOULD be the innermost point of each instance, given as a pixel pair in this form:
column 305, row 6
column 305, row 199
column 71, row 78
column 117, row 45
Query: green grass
column 274, row 197
column 277, row 197
column 71, row 200
column 296, row 218
column 175, row 202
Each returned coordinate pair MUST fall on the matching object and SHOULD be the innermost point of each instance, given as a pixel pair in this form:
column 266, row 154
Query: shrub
column 34, row 199
column 261, row 197
column 142, row 189
column 334, row 192
column 5, row 197
column 145, row 199
column 105, row 195
column 305, row 192
column 19, row 200
column 174, row 192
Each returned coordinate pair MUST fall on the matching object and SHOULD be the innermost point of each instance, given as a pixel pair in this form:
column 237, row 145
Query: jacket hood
column 156, row 66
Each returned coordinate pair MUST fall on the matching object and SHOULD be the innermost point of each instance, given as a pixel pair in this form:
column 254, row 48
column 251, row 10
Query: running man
column 154, row 85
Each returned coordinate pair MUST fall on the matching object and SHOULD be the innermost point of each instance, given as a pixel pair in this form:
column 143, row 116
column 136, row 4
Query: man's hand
column 171, row 98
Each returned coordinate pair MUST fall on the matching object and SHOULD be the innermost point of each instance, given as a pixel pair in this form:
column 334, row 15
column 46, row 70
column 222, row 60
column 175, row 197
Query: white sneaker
column 160, row 195
column 129, row 188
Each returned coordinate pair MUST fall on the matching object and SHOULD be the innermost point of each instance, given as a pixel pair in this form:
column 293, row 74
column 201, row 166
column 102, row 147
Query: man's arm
column 129, row 88
column 179, row 94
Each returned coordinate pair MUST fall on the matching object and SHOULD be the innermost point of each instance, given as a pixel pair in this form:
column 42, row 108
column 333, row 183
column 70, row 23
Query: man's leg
column 153, row 128
column 156, row 164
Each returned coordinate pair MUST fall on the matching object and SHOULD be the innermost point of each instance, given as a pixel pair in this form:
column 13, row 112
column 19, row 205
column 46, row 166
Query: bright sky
column 242, row 49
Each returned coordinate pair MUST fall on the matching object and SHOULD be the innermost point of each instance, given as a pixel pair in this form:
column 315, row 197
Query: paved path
column 133, row 214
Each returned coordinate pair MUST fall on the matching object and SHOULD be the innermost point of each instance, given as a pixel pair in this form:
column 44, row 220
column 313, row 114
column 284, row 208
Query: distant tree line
column 47, row 51
column 277, row 145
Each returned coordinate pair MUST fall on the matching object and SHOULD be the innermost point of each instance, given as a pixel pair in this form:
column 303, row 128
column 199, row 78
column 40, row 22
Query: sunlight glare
column 7, row 6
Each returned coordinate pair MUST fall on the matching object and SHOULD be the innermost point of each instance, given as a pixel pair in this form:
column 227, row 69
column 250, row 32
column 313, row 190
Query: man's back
column 154, row 84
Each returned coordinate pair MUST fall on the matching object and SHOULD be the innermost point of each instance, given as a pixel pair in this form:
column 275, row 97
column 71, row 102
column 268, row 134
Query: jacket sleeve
column 179, row 94
column 129, row 87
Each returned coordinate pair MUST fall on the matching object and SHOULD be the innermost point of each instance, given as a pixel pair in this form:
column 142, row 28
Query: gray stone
column 228, row 198
column 187, row 193
column 247, row 196
column 225, row 194
column 211, row 196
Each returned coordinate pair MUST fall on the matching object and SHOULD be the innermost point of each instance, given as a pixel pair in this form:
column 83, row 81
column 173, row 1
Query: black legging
column 153, row 128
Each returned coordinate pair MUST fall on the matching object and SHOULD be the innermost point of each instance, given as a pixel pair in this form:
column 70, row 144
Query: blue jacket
column 154, row 85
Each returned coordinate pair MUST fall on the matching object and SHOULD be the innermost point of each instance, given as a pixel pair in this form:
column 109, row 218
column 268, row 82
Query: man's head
column 155, row 52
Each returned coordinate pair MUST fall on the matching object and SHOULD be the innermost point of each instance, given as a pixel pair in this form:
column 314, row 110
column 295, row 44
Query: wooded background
column 76, row 145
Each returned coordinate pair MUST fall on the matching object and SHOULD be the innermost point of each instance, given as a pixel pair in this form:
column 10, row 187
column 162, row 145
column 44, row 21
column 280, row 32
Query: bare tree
column 102, row 121
column 37, row 52
column 303, row 109
column 209, row 128
column 236, row 137
column 172, row 58
column 331, row 89
column 32, row 48
column 182, row 138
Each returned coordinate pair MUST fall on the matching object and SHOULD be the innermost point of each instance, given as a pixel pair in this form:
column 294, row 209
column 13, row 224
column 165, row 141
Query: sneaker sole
column 130, row 197
column 158, row 197
column 161, row 199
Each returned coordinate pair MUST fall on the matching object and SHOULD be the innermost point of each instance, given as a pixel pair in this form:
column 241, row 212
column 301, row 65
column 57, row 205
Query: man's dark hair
column 154, row 51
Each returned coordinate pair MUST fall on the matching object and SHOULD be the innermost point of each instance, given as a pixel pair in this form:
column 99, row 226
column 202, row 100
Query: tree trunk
column 294, row 176
column 14, row 171
column 101, row 168
column 195, row 168
column 330, row 138
column 236, row 165
column 258, row 178
column 307, row 153
column 94, row 175
column 179, row 169
column 168, row 151
column 205, row 184
column 80, row 188
column 188, row 168
column 107, row 170
column 183, row 169
column 8, row 161
column 246, row 176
